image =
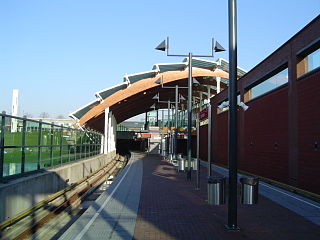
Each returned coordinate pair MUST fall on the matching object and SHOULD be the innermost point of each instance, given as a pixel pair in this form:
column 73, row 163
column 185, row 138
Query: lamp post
column 172, row 143
column 232, row 140
column 168, row 134
column 198, row 152
column 176, row 123
column 164, row 46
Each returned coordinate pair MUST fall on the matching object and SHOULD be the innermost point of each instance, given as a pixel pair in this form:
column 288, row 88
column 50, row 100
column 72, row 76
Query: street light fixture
column 164, row 46
column 225, row 104
column 178, row 99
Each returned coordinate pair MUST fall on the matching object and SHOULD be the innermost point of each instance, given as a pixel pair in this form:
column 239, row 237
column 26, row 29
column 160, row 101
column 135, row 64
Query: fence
column 28, row 145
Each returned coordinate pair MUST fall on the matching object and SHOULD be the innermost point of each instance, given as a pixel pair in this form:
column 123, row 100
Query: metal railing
column 29, row 145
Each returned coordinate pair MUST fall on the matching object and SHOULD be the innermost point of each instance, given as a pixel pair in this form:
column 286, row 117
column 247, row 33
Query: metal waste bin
column 175, row 162
column 181, row 164
column 216, row 190
column 163, row 147
column 194, row 164
column 249, row 190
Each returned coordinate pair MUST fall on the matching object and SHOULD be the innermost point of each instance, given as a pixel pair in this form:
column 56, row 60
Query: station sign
column 143, row 135
column 203, row 115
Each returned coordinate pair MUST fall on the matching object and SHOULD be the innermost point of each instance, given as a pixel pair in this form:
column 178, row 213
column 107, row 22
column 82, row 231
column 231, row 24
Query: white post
column 218, row 84
column 113, row 126
column 209, row 139
column 106, row 131
column 14, row 112
column 102, row 144
column 109, row 132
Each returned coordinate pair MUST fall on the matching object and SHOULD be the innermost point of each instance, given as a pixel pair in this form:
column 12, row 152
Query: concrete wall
column 23, row 193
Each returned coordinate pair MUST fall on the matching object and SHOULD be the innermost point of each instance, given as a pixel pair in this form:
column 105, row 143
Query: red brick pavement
column 171, row 208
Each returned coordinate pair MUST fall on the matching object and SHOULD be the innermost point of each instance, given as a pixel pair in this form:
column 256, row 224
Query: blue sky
column 59, row 53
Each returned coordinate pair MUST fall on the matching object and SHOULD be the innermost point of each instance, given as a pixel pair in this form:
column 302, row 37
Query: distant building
column 131, row 125
column 60, row 122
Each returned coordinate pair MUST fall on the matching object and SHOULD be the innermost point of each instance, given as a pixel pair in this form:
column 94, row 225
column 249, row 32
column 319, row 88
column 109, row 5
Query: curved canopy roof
column 135, row 94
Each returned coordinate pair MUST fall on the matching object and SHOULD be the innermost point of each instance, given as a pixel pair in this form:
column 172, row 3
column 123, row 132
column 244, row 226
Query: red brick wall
column 204, row 142
column 266, row 136
column 221, row 139
column 279, row 135
column 309, row 133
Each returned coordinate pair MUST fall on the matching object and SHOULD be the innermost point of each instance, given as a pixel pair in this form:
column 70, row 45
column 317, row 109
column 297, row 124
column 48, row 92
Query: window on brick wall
column 308, row 62
column 269, row 83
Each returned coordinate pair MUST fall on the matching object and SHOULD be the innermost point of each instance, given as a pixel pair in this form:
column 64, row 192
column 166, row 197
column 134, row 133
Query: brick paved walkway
column 171, row 208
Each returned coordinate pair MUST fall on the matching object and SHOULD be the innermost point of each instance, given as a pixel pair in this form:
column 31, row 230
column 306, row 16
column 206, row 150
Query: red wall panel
column 309, row 133
column 221, row 139
column 279, row 135
column 266, row 136
column 204, row 142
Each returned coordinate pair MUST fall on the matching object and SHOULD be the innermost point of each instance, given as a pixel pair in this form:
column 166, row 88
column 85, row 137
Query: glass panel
column 85, row 150
column 46, row 134
column 31, row 160
column 45, row 157
column 56, row 156
column 66, row 137
column 12, row 161
column 78, row 152
column 92, row 148
column 152, row 118
column 56, row 135
column 65, row 154
column 13, row 134
column 72, row 154
column 0, row 124
column 314, row 60
column 32, row 131
column 271, row 83
column 72, row 142
column 79, row 136
column 75, row 144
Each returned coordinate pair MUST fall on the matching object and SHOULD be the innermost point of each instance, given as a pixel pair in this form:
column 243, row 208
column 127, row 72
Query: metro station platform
column 151, row 200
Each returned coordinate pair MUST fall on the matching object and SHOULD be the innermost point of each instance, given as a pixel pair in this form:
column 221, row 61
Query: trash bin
column 181, row 164
column 163, row 147
column 187, row 164
column 249, row 190
column 194, row 164
column 176, row 161
column 216, row 190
